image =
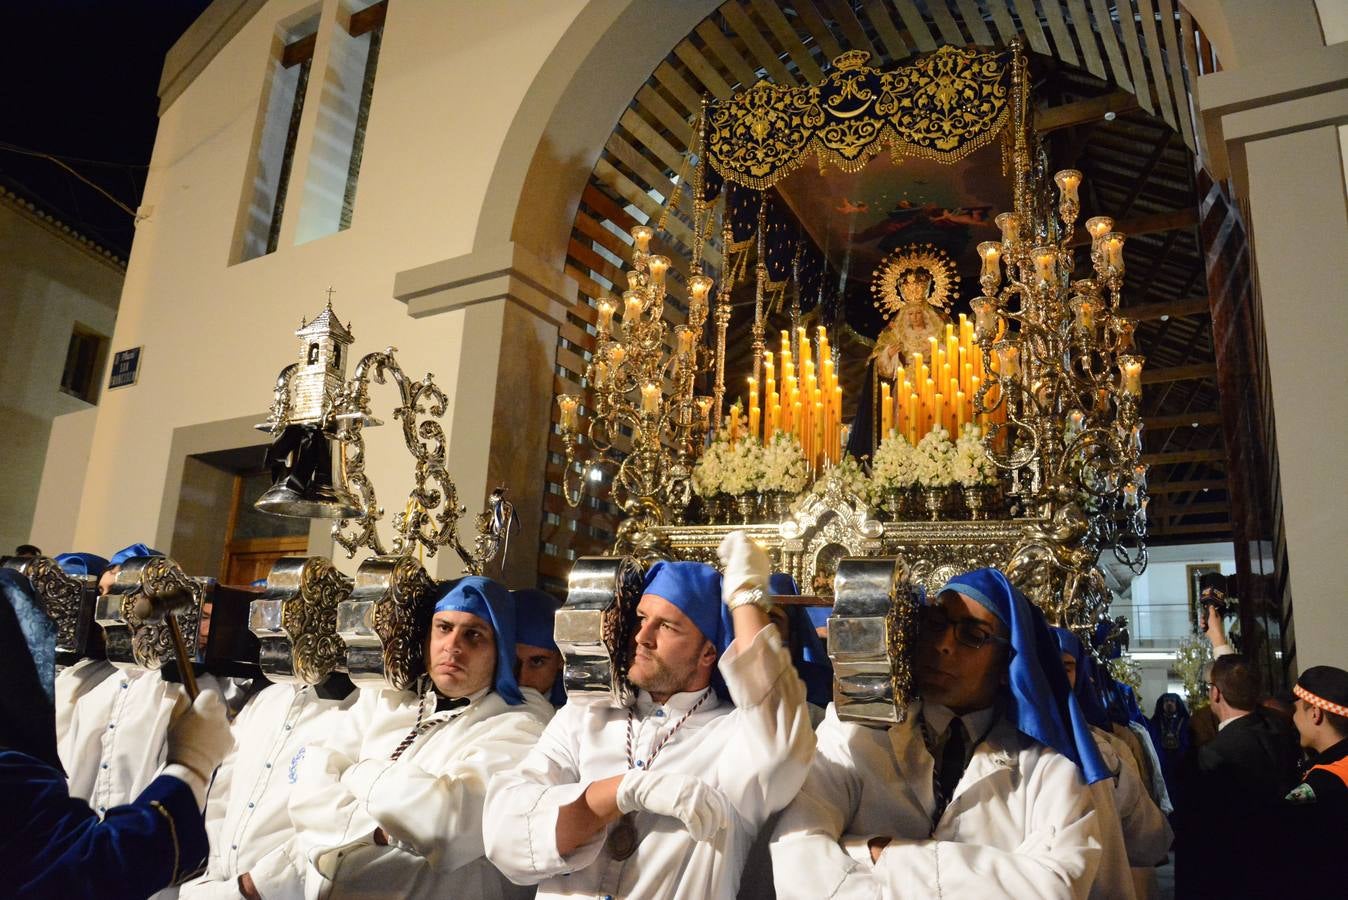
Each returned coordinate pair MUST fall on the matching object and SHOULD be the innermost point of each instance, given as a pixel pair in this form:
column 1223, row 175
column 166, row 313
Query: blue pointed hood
column 491, row 602
column 1041, row 701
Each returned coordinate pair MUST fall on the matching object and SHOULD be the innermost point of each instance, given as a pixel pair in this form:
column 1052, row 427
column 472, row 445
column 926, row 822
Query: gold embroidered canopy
column 943, row 107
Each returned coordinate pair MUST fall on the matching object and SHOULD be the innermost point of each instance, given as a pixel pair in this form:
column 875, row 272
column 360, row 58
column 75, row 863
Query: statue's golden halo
column 908, row 259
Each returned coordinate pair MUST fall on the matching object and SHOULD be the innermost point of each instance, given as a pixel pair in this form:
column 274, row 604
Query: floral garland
column 933, row 457
column 893, row 467
column 970, row 465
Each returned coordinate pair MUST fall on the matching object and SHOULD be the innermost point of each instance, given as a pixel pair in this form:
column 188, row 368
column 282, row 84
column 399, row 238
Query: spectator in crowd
column 1170, row 735
column 1237, row 776
column 1314, row 814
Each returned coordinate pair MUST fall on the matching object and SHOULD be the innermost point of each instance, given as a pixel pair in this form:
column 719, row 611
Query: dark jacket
column 1237, row 779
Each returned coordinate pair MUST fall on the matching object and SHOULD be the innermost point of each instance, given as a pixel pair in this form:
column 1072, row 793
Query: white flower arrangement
column 743, row 467
column 852, row 476
column 783, row 465
column 933, row 457
column 893, row 466
column 709, row 472
column 971, row 465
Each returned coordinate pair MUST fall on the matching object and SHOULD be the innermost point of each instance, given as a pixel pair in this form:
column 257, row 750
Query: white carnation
column 743, row 469
column 853, row 477
column 971, row 465
column 784, row 467
column 933, row 458
column 893, row 466
column 709, row 472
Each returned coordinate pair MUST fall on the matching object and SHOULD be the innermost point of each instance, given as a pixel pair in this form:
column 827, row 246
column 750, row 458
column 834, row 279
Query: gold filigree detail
column 310, row 620
column 398, row 622
column 942, row 107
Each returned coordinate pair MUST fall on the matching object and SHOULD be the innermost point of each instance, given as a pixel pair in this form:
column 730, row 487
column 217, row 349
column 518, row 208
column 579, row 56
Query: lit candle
column 1130, row 496
column 658, row 265
column 938, row 411
column 604, row 322
column 635, row 280
column 699, row 287
column 885, row 421
column 704, row 411
column 616, row 355
column 1045, row 264
column 1083, row 311
column 641, row 236
column 753, row 406
column 567, row 404
column 632, row 302
column 991, row 252
column 1098, row 227
column 1112, row 247
column 1140, row 477
column 1076, row 423
column 1067, row 180
column 600, row 373
column 960, row 412
column 1009, row 223
column 1130, row 368
column 1008, row 360
column 650, row 398
column 684, row 340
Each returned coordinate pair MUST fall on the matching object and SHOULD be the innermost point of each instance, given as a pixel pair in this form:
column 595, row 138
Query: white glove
column 199, row 737
column 746, row 565
column 700, row 807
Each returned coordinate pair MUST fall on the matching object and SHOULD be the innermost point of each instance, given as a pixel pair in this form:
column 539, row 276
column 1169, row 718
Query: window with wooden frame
column 85, row 356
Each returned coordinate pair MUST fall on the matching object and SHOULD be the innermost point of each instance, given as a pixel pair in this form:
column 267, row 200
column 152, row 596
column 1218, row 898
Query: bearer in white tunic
column 74, row 681
column 1143, row 834
column 115, row 742
column 247, row 809
column 403, row 817
column 978, row 793
column 663, row 799
column 538, row 662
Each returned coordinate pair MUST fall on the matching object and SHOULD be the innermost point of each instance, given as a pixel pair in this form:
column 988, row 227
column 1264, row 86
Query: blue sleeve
column 53, row 845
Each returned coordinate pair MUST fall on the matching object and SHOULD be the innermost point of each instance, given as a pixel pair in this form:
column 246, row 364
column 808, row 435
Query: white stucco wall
column 49, row 282
column 451, row 77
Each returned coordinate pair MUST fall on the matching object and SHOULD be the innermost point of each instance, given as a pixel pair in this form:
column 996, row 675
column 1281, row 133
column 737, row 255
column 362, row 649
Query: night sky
column 80, row 82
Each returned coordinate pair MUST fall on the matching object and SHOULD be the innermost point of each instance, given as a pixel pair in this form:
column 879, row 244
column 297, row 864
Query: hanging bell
column 307, row 478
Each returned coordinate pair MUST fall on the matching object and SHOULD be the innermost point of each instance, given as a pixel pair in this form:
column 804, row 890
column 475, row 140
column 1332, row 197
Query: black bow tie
column 446, row 703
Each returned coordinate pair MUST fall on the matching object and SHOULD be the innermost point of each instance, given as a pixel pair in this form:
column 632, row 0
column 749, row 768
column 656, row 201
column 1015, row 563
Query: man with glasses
column 1243, row 772
column 980, row 792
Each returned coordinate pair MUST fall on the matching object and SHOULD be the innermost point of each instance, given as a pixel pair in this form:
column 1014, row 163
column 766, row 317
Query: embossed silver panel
column 135, row 643
column 870, row 639
column 383, row 622
column 594, row 627
column 296, row 620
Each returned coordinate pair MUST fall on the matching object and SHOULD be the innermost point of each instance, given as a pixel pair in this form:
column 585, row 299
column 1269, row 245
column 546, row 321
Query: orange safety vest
column 1338, row 768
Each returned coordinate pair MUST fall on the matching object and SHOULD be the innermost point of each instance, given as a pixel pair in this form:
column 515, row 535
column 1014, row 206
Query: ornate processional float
column 1007, row 436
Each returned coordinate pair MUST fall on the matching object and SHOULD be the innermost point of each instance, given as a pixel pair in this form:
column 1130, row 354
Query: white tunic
column 1020, row 823
column 756, row 754
column 116, row 743
column 72, row 683
column 247, row 810
column 429, row 801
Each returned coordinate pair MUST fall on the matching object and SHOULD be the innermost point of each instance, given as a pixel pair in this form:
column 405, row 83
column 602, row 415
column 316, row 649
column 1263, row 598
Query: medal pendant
column 622, row 840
